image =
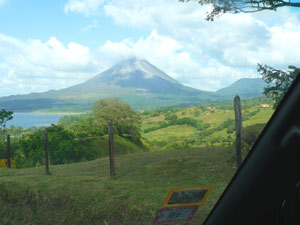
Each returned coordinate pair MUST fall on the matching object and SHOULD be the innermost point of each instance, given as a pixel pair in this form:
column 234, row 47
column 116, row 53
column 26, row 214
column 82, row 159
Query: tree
column 250, row 135
column 126, row 121
column 171, row 117
column 87, row 127
column 246, row 6
column 62, row 148
column 278, row 81
column 4, row 117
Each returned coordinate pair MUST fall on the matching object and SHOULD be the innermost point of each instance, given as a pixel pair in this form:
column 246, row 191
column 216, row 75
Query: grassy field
column 179, row 136
column 172, row 131
column 83, row 193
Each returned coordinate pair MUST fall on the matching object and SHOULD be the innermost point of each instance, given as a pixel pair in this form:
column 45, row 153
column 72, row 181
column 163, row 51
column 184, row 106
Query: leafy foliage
column 246, row 115
column 229, row 124
column 67, row 121
column 61, row 148
column 17, row 131
column 171, row 117
column 246, row 6
column 125, row 120
column 65, row 148
column 87, row 128
column 82, row 125
column 4, row 117
column 278, row 81
column 250, row 135
column 199, row 125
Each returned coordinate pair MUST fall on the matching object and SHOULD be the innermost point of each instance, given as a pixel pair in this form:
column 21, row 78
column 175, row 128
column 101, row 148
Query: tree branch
column 250, row 6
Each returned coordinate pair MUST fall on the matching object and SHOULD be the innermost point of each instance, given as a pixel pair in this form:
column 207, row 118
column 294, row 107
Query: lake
column 27, row 120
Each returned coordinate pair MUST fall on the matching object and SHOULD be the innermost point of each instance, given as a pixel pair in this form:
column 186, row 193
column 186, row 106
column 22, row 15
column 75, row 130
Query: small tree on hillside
column 4, row 117
column 250, row 135
column 278, row 81
column 126, row 121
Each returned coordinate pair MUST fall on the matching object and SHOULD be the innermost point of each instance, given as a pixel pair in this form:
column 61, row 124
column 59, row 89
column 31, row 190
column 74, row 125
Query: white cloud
column 137, row 13
column 170, row 56
column 240, row 40
column 38, row 66
column 155, row 48
column 51, row 55
column 85, row 7
column 113, row 52
column 235, row 43
column 185, row 23
column 22, row 85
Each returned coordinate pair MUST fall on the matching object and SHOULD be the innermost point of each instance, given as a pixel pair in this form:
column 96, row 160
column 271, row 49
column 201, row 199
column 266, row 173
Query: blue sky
column 35, row 19
column 55, row 44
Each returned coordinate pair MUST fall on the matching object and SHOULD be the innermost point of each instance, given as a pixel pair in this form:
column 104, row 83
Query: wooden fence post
column 46, row 153
column 111, row 147
column 238, row 129
column 8, row 152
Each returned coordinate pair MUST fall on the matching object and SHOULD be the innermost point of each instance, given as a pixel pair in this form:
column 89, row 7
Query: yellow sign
column 186, row 196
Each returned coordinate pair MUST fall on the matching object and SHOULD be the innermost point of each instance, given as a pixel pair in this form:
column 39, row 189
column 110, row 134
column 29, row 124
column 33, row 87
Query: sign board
column 175, row 214
column 191, row 196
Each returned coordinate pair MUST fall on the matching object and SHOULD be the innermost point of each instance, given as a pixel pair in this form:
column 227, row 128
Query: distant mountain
column 245, row 88
column 135, row 81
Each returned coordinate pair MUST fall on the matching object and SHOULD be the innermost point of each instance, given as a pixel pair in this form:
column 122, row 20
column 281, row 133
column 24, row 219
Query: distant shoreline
column 42, row 112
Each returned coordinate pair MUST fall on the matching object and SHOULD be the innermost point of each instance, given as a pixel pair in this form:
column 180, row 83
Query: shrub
column 198, row 124
column 197, row 113
column 250, row 135
column 171, row 117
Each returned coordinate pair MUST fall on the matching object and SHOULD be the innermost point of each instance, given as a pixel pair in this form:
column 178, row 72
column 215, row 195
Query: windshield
column 134, row 112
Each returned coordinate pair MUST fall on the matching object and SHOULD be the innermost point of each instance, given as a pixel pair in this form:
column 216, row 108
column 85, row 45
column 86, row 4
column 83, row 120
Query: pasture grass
column 162, row 138
column 84, row 193
column 172, row 131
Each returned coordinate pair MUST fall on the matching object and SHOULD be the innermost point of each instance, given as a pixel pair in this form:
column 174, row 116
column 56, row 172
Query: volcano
column 135, row 81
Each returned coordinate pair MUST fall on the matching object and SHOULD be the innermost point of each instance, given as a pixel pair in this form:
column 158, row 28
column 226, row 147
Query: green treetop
column 126, row 121
column 278, row 81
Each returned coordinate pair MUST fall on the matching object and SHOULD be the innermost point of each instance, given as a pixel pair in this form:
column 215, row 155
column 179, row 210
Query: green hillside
column 245, row 87
column 83, row 193
column 74, row 99
column 217, row 121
